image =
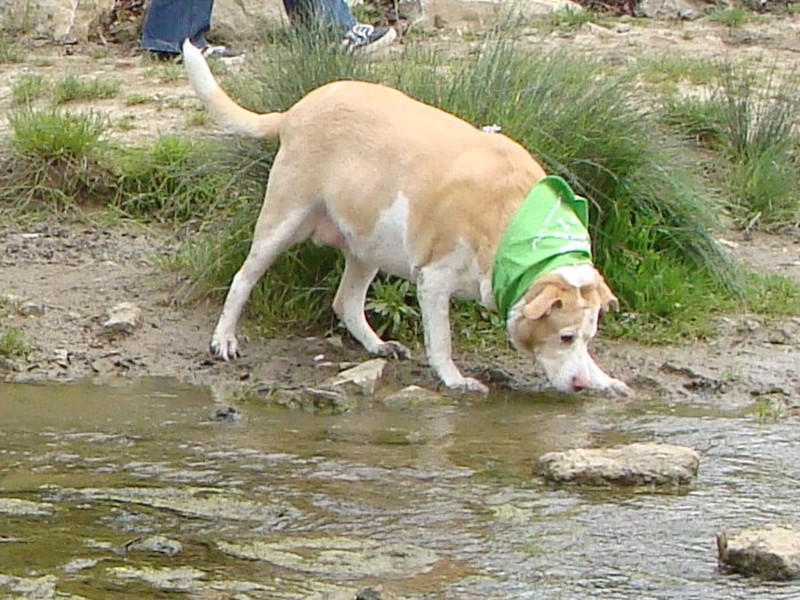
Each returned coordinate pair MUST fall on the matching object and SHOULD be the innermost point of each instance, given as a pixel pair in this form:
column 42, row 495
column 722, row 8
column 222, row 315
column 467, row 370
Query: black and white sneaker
column 367, row 38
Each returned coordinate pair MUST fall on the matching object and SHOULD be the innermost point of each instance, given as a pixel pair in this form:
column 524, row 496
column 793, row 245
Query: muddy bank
column 75, row 272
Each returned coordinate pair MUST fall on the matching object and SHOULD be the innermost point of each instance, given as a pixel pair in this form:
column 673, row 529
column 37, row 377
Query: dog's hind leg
column 273, row 234
column 349, row 307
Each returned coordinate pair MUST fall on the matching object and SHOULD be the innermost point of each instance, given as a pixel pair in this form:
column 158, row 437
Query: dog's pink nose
column 579, row 383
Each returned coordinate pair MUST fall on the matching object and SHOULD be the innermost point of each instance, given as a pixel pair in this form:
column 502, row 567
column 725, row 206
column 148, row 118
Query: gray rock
column 80, row 564
column 672, row 9
column 364, row 376
column 180, row 579
column 31, row 309
column 770, row 552
column 412, row 395
column 155, row 544
column 319, row 399
column 124, row 318
column 631, row 465
column 24, row 508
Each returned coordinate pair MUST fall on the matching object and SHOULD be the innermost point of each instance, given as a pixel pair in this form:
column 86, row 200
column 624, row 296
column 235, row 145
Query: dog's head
column 556, row 320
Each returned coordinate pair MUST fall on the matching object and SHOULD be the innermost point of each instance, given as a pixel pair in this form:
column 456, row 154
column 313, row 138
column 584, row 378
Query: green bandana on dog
column 547, row 232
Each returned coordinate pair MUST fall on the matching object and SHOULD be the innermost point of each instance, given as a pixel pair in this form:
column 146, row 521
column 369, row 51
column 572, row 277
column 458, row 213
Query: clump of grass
column 72, row 88
column 27, row 89
column 9, row 52
column 569, row 20
column 171, row 181
column 13, row 344
column 55, row 157
column 734, row 18
column 760, row 145
column 670, row 70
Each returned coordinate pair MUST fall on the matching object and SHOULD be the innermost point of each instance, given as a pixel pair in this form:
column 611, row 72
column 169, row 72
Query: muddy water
column 137, row 491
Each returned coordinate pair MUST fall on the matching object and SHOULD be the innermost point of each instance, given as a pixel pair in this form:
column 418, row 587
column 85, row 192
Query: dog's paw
column 393, row 350
column 468, row 384
column 618, row 388
column 224, row 348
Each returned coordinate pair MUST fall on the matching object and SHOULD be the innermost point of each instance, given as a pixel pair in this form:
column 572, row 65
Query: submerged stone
column 156, row 544
column 180, row 579
column 24, row 508
column 632, row 465
column 338, row 557
column 770, row 552
column 411, row 396
column 207, row 503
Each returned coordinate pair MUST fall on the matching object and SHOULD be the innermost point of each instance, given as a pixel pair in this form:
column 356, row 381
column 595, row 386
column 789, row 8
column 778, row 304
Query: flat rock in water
column 631, row 465
column 412, row 395
column 770, row 552
column 364, row 376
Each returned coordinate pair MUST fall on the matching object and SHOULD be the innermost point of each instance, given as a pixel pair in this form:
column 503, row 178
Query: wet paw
column 618, row 388
column 468, row 384
column 393, row 350
column 226, row 348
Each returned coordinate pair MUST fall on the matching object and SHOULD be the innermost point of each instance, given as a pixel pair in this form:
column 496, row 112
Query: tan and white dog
column 405, row 188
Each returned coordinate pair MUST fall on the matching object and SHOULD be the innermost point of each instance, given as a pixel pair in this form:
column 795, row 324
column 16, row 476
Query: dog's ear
column 607, row 298
column 541, row 305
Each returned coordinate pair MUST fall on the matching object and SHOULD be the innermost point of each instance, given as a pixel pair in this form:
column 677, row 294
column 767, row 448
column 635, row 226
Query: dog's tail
column 225, row 111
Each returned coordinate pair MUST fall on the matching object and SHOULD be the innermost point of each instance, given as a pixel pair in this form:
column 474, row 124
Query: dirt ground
column 71, row 273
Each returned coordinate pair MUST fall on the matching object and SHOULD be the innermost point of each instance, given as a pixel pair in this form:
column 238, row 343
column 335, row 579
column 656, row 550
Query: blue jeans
column 330, row 13
column 169, row 22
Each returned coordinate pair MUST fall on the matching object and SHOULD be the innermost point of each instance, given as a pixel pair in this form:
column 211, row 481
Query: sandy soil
column 72, row 273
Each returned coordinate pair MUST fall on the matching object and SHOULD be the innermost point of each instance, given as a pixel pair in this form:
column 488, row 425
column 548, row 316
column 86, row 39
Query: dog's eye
column 567, row 338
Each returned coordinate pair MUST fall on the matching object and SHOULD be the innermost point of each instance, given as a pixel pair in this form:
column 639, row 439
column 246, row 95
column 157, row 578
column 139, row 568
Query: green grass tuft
column 72, row 88
column 13, row 345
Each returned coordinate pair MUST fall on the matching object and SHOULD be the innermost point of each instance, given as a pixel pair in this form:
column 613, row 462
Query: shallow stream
column 136, row 490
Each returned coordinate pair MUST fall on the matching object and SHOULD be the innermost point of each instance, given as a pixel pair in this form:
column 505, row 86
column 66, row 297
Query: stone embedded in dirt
column 80, row 564
column 155, row 544
column 412, row 395
column 123, row 318
column 374, row 593
column 31, row 309
column 770, row 552
column 364, row 376
column 631, row 465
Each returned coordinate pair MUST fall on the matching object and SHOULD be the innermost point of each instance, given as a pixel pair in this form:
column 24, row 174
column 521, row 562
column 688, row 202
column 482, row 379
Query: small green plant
column 8, row 50
column 734, row 18
column 13, row 345
column 769, row 410
column 570, row 20
column 393, row 305
column 72, row 88
column 27, row 89
column 137, row 99
column 672, row 69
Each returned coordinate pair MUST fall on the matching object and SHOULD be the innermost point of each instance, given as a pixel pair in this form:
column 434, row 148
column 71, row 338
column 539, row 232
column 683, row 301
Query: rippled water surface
column 429, row 501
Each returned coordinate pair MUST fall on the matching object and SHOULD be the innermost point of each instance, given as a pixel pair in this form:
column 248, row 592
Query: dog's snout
column 579, row 383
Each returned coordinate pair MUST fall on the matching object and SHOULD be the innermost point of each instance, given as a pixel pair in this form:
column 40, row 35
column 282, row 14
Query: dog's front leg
column 600, row 381
column 433, row 293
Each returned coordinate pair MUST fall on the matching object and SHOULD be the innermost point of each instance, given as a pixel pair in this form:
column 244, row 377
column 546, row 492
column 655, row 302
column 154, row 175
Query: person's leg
column 326, row 13
column 336, row 15
column 169, row 22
